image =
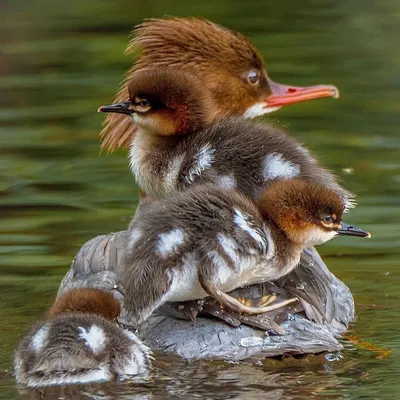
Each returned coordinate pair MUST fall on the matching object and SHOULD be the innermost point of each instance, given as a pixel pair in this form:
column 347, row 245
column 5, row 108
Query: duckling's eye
column 143, row 103
column 328, row 219
column 253, row 77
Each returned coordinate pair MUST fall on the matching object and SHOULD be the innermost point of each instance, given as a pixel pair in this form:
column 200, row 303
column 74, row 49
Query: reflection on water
column 60, row 61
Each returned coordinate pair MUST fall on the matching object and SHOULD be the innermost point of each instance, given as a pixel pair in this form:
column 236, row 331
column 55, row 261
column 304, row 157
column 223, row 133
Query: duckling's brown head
column 165, row 102
column 308, row 213
column 88, row 301
column 231, row 70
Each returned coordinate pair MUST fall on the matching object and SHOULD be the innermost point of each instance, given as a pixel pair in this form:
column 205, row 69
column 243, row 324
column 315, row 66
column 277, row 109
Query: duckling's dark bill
column 283, row 95
column 351, row 230
column 119, row 108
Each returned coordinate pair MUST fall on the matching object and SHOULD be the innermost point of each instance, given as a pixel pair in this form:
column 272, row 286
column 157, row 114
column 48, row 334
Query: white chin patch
column 39, row 340
column 315, row 236
column 259, row 109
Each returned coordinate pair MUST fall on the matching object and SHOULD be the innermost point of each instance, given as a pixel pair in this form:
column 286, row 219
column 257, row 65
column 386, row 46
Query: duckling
column 177, row 144
column 229, row 67
column 79, row 343
column 209, row 240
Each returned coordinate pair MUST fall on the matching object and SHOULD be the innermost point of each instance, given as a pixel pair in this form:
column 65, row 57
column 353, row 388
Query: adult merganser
column 177, row 144
column 228, row 66
column 80, row 342
column 206, row 241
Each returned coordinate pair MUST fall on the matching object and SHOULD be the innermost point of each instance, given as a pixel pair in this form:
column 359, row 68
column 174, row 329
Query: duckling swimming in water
column 80, row 343
column 209, row 240
column 177, row 144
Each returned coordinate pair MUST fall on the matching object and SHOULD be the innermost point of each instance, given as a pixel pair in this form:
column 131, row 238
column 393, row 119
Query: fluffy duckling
column 230, row 69
column 177, row 144
column 208, row 240
column 80, row 343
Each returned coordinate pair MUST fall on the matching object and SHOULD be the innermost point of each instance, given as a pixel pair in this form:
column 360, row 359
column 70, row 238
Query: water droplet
column 333, row 356
column 291, row 317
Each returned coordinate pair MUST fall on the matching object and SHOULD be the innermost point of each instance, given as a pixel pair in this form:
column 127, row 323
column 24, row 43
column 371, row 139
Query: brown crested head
column 165, row 102
column 168, row 102
column 229, row 67
column 307, row 212
column 88, row 301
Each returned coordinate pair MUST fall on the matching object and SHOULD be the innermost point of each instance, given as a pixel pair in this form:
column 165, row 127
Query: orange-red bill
column 283, row 95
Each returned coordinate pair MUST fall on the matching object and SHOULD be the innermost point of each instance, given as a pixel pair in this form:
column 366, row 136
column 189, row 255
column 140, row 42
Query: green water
column 61, row 60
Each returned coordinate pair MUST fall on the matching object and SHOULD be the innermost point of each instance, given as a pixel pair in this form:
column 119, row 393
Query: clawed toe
column 260, row 302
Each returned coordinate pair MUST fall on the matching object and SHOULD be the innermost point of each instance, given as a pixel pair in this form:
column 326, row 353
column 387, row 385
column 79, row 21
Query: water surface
column 61, row 60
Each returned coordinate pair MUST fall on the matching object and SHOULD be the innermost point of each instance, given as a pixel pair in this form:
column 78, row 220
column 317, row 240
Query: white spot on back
column 227, row 181
column 224, row 273
column 172, row 173
column 229, row 246
column 258, row 109
column 275, row 166
column 39, row 339
column 169, row 242
column 94, row 336
column 203, row 160
column 242, row 221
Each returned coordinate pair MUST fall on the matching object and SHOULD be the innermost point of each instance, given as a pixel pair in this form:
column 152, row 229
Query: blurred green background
column 61, row 60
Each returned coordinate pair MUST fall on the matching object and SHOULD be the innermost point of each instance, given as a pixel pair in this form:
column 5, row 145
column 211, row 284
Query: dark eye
column 328, row 219
column 143, row 103
column 253, row 77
